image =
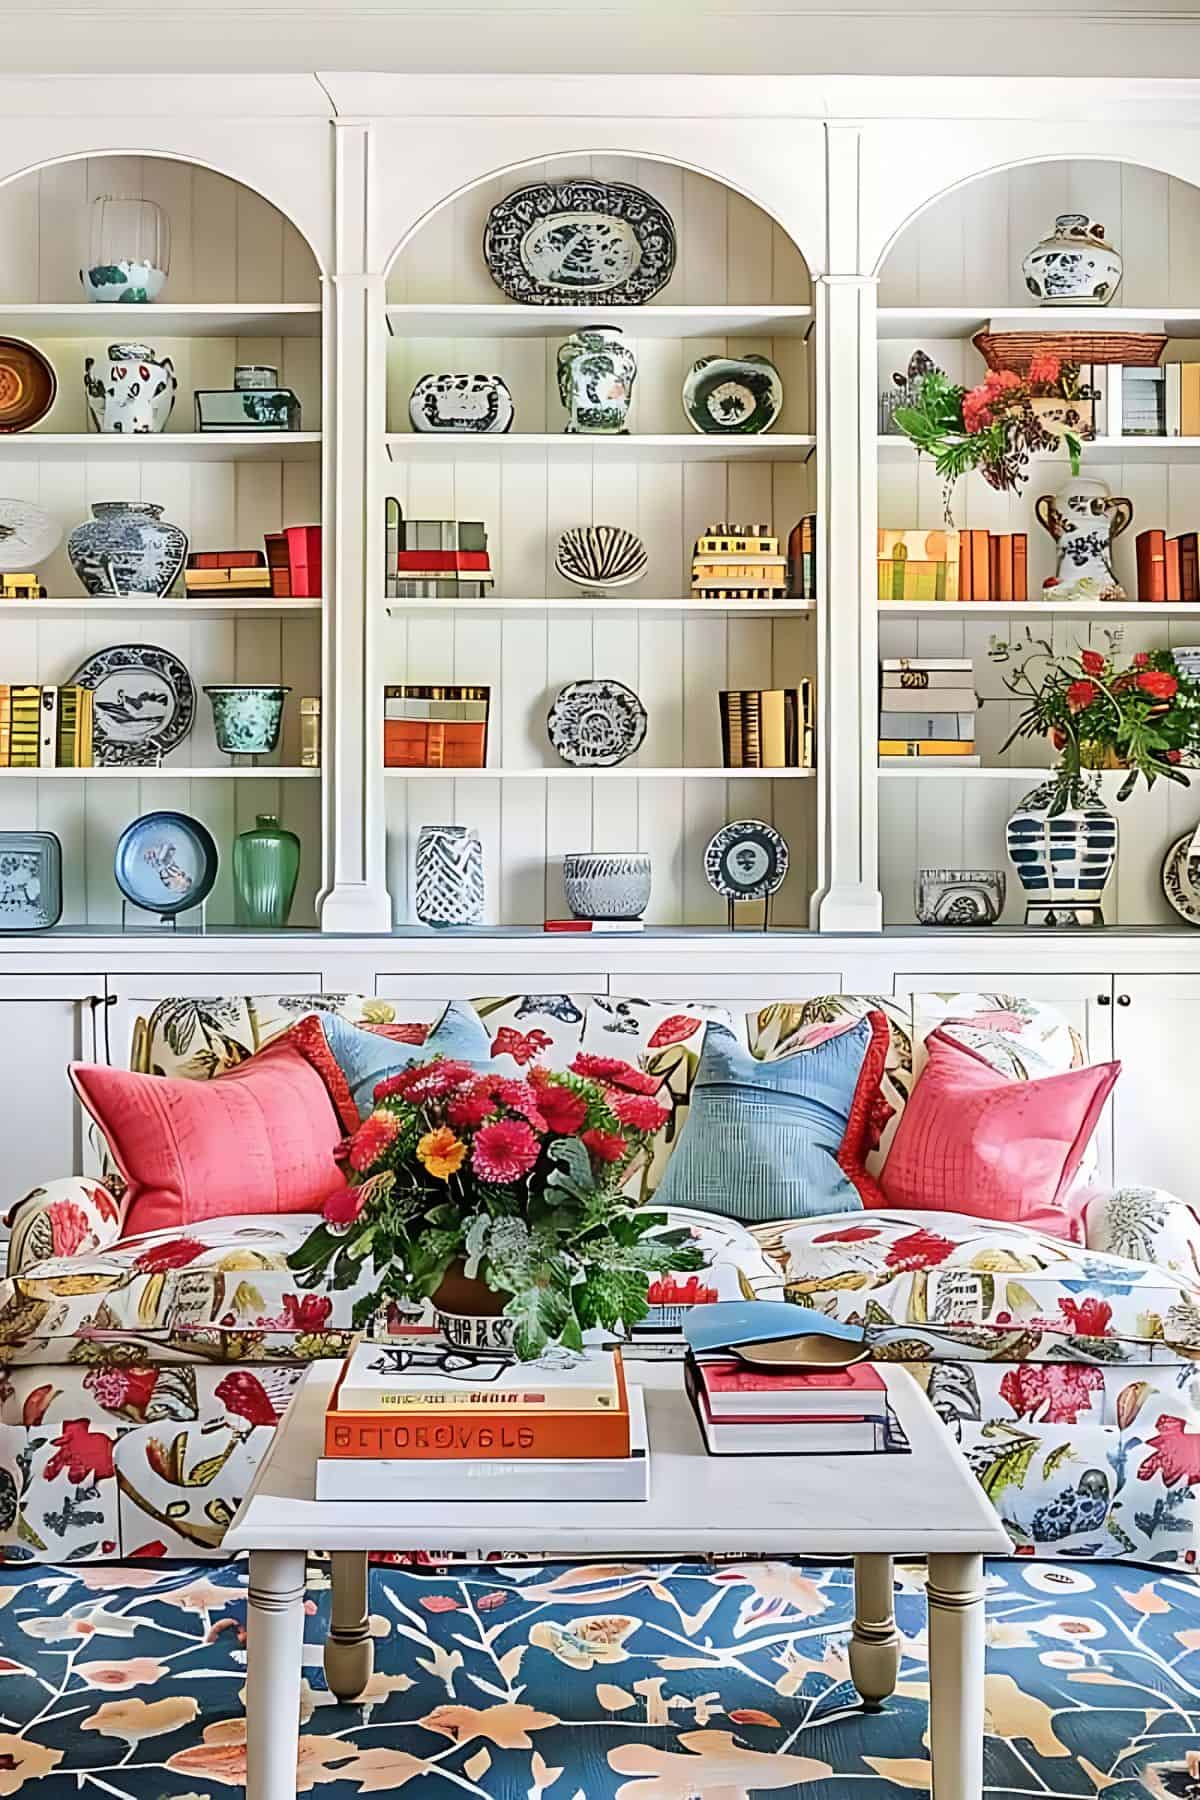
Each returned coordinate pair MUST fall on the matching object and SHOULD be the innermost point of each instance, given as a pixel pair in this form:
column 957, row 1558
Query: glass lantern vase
column 128, row 252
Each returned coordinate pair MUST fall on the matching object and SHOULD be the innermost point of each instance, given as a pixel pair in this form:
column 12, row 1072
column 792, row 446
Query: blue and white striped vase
column 1062, row 841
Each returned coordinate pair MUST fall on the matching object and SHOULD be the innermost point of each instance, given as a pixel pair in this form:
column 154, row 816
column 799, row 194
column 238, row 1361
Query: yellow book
column 927, row 747
column 1189, row 399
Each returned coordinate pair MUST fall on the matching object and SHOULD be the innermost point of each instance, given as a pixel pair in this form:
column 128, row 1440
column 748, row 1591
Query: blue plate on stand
column 165, row 863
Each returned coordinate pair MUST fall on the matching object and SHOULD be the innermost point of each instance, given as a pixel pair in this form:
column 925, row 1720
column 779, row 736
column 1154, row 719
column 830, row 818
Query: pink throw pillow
column 259, row 1139
column 974, row 1140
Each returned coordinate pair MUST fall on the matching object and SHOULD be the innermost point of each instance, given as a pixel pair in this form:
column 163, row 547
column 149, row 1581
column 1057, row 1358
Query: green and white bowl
column 247, row 717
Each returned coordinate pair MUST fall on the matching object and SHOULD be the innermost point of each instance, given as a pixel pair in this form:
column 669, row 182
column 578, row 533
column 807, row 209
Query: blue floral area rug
column 606, row 1682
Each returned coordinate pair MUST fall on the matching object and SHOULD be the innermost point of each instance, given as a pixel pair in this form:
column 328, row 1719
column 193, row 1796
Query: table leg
column 874, row 1645
column 956, row 1694
column 349, row 1651
column 274, row 1646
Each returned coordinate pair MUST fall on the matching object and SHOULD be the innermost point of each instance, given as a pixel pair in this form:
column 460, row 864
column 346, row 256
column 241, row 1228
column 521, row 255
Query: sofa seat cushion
column 940, row 1286
column 221, row 1291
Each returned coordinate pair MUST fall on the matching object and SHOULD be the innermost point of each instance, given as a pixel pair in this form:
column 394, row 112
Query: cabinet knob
column 1103, row 1000
column 1124, row 1000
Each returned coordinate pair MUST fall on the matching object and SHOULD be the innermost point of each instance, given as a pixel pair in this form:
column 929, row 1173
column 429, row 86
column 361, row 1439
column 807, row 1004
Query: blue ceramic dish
column 165, row 863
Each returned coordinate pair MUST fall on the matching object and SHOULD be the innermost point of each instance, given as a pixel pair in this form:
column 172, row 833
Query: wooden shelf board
column 623, row 773
column 186, row 606
column 588, row 603
column 167, row 446
column 135, row 324
column 926, row 773
column 894, row 447
column 964, row 321
column 170, row 772
column 511, row 320
column 1086, row 609
column 517, row 446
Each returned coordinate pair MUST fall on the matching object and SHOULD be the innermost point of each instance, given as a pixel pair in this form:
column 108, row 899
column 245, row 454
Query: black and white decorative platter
column 747, row 860
column 556, row 243
column 1179, row 885
column 144, row 703
column 165, row 862
column 600, row 556
column 479, row 403
column 596, row 724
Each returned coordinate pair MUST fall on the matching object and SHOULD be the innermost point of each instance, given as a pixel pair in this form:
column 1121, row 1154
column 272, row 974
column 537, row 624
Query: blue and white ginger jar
column 1064, row 858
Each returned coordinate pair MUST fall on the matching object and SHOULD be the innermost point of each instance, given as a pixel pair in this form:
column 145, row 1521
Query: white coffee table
column 927, row 1504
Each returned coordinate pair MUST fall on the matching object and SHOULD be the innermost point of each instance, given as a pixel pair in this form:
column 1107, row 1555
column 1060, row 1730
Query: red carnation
column 562, row 1108
column 377, row 1133
column 605, row 1146
column 344, row 1205
column 1158, row 684
column 1081, row 694
column 639, row 1112
column 504, row 1151
column 520, row 1097
column 471, row 1106
column 1141, row 660
column 1092, row 662
column 616, row 1073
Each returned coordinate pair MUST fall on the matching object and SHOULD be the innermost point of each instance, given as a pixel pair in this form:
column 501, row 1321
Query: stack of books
column 738, row 562
column 435, row 727
column 927, row 709
column 1168, row 568
column 767, row 728
column 415, row 1418
column 953, row 565
column 294, row 562
column 1159, row 401
column 435, row 559
column 45, row 727
column 227, row 574
column 802, row 559
column 744, row 1411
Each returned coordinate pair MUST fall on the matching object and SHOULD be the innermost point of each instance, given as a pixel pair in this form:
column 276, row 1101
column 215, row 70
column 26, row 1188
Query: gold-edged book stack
column 739, row 562
column 767, row 728
column 415, row 1417
column 45, row 727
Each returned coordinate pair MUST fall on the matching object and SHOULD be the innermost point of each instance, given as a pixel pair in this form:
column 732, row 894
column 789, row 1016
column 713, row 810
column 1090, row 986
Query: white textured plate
column 27, row 536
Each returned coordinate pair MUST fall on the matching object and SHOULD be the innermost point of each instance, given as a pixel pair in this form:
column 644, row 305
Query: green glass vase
column 266, row 863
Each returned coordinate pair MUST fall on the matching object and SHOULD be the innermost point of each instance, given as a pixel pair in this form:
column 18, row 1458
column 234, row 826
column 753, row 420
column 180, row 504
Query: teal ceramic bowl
column 247, row 717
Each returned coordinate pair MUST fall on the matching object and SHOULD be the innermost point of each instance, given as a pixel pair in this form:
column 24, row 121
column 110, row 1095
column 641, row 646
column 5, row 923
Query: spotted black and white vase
column 1064, row 854
column 449, row 883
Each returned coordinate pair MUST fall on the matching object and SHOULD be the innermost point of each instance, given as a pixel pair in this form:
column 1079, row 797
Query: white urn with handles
column 1084, row 520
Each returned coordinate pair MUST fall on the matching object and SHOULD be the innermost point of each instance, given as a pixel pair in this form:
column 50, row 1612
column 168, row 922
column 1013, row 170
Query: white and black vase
column 449, row 883
column 596, row 373
column 1062, row 841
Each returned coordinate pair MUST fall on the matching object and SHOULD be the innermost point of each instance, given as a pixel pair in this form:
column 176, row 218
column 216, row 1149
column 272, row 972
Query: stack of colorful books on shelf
column 738, row 562
column 927, row 710
column 1168, row 568
column 416, row 1418
column 802, row 558
column 428, row 727
column 745, row 1411
column 45, row 727
column 294, row 562
column 227, row 574
column 953, row 565
column 435, row 559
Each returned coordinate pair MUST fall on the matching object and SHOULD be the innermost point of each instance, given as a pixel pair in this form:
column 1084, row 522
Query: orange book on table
column 459, row 1436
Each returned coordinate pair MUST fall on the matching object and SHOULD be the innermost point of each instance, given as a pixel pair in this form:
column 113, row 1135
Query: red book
column 735, row 1391
column 1172, row 581
column 1189, row 565
column 994, row 567
column 1151, row 565
column 1020, row 576
column 438, row 562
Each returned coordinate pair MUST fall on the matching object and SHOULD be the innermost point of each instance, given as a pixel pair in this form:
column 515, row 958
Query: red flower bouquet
column 514, row 1182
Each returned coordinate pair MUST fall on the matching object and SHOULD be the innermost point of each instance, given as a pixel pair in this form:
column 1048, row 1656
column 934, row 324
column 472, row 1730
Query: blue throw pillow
column 352, row 1061
column 761, row 1139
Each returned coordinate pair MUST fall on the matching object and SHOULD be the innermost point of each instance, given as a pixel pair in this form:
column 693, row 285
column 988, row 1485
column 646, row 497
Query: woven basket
column 1016, row 349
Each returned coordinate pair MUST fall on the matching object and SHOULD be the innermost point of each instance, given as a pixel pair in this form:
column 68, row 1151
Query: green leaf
column 572, row 1156
column 541, row 1311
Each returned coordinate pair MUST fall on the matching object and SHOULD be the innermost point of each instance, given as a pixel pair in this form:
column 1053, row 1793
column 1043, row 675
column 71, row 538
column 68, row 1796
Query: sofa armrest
column 61, row 1219
column 1148, row 1224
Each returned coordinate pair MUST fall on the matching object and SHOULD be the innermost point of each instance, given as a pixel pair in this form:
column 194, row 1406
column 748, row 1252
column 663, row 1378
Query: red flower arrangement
column 515, row 1182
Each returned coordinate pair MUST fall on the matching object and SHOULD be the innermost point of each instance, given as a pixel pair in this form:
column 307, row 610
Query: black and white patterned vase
column 449, row 884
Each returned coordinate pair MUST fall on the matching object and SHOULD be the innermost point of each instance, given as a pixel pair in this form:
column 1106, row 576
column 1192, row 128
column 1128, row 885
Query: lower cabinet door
column 1156, row 1033
column 1086, row 1001
column 45, row 1023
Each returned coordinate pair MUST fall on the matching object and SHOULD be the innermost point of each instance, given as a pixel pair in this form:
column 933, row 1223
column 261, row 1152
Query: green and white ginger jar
column 247, row 717
column 596, row 373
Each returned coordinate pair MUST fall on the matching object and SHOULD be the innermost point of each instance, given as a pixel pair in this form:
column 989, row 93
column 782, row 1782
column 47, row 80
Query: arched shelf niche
column 953, row 266
column 740, row 284
column 243, row 286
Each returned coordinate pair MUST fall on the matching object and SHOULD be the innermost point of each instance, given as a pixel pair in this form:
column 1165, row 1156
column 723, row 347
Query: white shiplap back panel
column 227, row 243
column 723, row 240
column 966, row 248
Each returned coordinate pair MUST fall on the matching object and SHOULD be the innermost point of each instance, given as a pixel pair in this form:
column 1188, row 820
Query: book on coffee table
column 516, row 1477
column 732, row 1391
column 788, row 1419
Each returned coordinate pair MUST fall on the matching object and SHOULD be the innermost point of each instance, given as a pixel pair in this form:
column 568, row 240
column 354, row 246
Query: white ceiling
column 799, row 37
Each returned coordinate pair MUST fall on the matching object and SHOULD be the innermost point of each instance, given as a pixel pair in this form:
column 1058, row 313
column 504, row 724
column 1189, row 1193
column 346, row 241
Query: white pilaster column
column 848, row 898
column 354, row 894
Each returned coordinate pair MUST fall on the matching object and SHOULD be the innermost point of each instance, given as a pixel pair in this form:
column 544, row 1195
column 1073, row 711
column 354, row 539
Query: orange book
column 965, row 589
column 1173, row 580
column 433, row 744
column 461, row 1435
column 981, row 565
column 1002, row 584
column 1020, row 571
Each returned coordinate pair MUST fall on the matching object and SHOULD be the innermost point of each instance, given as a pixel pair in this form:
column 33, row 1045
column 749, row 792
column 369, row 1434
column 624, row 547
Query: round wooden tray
column 1016, row 349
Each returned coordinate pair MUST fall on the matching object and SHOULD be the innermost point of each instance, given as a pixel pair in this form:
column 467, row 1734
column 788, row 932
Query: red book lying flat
column 733, row 1391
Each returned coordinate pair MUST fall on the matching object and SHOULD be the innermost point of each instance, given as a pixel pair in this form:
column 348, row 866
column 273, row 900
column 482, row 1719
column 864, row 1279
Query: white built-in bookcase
column 336, row 229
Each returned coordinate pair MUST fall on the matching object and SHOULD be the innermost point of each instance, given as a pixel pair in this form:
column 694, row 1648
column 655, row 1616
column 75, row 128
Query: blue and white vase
column 1062, row 841
column 127, row 547
column 449, row 884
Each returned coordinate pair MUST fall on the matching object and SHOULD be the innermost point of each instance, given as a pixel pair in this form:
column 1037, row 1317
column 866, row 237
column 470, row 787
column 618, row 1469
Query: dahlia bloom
column 1158, row 684
column 563, row 1110
column 1091, row 662
column 615, row 1072
column 1081, row 694
column 605, row 1146
column 504, row 1151
column 471, row 1106
column 377, row 1133
column 442, row 1153
column 639, row 1112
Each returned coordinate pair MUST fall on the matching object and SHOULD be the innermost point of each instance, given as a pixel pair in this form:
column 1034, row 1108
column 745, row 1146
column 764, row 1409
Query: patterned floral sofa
column 142, row 1377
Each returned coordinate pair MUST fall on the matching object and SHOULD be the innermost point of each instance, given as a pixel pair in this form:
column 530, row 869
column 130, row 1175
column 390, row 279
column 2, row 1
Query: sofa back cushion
column 258, row 1139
